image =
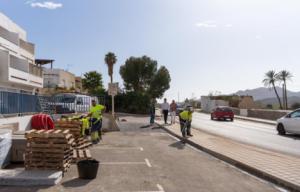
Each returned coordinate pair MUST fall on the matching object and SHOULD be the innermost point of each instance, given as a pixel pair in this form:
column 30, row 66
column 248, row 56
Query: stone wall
column 266, row 114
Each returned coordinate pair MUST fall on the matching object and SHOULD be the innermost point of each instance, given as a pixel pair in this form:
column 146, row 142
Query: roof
column 44, row 61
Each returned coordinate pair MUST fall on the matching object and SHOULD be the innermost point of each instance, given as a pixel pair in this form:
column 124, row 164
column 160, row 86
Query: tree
column 110, row 60
column 295, row 105
column 284, row 76
column 140, row 75
column 92, row 82
column 269, row 81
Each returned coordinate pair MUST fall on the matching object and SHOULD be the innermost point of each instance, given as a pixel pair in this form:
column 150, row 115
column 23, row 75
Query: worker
column 85, row 126
column 185, row 118
column 95, row 115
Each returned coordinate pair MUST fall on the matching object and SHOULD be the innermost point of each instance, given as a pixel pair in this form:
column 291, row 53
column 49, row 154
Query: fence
column 21, row 103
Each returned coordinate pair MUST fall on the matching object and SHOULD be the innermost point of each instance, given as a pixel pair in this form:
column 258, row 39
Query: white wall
column 23, row 122
column 207, row 105
column 11, row 26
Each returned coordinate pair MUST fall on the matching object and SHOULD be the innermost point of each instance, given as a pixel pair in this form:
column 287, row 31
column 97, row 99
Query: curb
column 240, row 165
column 255, row 120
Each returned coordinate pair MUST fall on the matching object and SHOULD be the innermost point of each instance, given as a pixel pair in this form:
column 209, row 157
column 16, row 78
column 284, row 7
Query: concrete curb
column 240, row 165
column 255, row 120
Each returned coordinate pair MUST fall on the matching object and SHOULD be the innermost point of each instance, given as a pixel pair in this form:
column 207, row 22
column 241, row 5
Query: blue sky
column 207, row 45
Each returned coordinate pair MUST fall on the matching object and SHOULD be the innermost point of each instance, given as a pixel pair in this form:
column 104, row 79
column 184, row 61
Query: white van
column 73, row 103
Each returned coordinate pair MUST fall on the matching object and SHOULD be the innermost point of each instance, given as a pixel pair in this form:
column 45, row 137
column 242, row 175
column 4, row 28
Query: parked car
column 289, row 123
column 72, row 103
column 222, row 113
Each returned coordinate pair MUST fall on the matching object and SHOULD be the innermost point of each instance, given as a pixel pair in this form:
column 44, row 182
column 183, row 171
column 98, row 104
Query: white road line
column 141, row 148
column 160, row 188
column 148, row 163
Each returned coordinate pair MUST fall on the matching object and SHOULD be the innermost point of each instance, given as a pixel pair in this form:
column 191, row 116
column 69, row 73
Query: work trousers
column 166, row 112
column 187, row 130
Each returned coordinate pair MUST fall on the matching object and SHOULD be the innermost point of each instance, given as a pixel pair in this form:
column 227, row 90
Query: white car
column 289, row 123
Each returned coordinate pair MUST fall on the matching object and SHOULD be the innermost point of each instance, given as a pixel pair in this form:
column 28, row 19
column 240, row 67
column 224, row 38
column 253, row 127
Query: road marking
column 141, row 148
column 160, row 188
column 148, row 163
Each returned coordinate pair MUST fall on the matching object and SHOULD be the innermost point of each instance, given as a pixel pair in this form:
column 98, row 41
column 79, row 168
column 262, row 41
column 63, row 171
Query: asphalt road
column 253, row 133
column 146, row 159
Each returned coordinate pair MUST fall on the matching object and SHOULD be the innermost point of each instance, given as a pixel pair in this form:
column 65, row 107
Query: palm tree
column 110, row 60
column 270, row 80
column 284, row 76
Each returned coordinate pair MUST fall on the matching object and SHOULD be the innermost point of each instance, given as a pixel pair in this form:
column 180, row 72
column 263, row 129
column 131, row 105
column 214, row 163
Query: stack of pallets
column 75, row 127
column 72, row 125
column 48, row 150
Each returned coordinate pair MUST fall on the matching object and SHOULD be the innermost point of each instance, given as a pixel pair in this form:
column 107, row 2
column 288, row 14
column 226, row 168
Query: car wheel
column 280, row 129
column 231, row 119
column 211, row 117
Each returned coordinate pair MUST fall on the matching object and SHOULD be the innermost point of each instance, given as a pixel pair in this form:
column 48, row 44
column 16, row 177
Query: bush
column 132, row 102
column 295, row 105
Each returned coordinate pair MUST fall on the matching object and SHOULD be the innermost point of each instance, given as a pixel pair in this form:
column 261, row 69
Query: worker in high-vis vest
column 96, row 121
column 85, row 126
column 185, row 118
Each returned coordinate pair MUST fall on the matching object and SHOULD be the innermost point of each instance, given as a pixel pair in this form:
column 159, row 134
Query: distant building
column 78, row 84
column 58, row 78
column 243, row 102
column 18, row 70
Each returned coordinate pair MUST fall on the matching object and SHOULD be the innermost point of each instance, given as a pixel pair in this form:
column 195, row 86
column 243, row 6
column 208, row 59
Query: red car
column 222, row 113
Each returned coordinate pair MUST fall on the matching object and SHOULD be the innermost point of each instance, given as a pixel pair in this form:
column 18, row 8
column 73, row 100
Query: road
column 147, row 159
column 258, row 134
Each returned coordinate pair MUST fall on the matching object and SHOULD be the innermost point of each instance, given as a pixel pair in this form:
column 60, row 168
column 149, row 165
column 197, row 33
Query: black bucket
column 87, row 169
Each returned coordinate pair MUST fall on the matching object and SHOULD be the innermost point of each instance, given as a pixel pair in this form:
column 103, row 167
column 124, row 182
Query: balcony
column 20, row 71
column 29, row 47
column 9, row 36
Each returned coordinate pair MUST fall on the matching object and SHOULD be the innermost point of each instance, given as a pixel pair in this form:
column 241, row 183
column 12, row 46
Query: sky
column 207, row 45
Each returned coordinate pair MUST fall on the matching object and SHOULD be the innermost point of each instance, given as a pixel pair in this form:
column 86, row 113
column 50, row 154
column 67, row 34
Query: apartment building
column 54, row 78
column 18, row 71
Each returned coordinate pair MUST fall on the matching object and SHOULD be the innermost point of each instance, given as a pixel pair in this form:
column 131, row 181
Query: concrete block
column 21, row 177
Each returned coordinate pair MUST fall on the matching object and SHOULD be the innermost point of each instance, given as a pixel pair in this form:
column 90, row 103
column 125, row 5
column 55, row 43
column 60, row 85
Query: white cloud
column 207, row 24
column 228, row 25
column 46, row 4
column 258, row 37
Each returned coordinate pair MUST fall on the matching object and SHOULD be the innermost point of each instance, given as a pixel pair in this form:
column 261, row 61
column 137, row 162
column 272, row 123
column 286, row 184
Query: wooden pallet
column 72, row 125
column 81, row 154
column 48, row 149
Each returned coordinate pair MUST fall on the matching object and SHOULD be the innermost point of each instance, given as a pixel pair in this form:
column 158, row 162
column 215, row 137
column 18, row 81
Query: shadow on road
column 178, row 145
column 292, row 136
column 76, row 182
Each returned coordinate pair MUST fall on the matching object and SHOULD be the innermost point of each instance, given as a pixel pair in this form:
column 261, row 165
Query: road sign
column 113, row 89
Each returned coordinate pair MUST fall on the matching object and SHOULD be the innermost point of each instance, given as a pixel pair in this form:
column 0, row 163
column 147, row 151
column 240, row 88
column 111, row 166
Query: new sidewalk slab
column 278, row 168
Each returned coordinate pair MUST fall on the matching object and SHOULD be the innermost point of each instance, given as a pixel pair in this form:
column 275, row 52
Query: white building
column 208, row 104
column 18, row 71
column 58, row 78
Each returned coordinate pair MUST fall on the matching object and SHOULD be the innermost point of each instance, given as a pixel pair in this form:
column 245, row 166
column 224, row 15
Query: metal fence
column 21, row 103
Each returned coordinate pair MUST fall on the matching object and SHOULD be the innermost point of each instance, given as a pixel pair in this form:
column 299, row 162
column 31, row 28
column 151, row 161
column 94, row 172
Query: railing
column 21, row 103
column 27, row 46
column 9, row 36
column 19, row 64
column 35, row 70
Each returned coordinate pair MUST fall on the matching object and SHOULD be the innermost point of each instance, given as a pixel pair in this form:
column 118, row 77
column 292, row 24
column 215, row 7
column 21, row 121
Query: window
column 295, row 114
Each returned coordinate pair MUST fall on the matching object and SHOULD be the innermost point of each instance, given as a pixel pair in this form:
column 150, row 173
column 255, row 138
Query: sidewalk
column 278, row 168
